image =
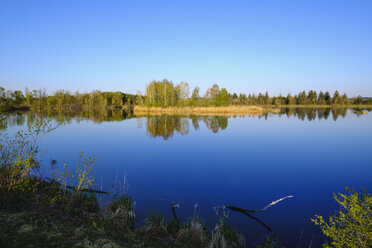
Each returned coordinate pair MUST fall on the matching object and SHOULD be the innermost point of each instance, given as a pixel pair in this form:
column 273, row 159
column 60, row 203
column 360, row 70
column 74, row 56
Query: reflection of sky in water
column 248, row 164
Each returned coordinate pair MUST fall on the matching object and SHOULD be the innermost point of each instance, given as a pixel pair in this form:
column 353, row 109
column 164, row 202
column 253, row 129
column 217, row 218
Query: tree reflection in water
column 164, row 126
column 167, row 125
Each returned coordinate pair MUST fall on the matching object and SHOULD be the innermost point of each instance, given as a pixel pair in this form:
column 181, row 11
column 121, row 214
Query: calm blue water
column 247, row 162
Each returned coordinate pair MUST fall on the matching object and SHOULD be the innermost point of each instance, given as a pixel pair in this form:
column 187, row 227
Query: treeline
column 61, row 99
column 165, row 94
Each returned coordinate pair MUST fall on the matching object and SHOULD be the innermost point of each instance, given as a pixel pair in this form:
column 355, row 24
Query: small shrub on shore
column 351, row 226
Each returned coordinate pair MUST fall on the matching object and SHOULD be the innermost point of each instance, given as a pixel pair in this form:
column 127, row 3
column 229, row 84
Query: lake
column 211, row 161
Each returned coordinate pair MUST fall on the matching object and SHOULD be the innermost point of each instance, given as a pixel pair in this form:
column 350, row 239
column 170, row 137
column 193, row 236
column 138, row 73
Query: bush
column 351, row 226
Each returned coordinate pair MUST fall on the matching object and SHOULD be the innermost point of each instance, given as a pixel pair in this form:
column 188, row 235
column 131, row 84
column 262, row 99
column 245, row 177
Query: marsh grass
column 203, row 111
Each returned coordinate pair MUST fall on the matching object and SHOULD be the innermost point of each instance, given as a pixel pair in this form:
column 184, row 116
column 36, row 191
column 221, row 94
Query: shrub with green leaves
column 351, row 226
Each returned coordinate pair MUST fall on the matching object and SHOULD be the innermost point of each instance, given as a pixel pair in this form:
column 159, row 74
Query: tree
column 182, row 91
column 312, row 97
column 266, row 99
column 117, row 99
column 2, row 96
column 139, row 98
column 211, row 94
column 290, row 100
column 242, row 99
column 327, row 98
column 321, row 98
column 195, row 96
column 344, row 99
column 301, row 98
column 336, row 98
column 161, row 93
column 222, row 98
column 18, row 97
column 357, row 100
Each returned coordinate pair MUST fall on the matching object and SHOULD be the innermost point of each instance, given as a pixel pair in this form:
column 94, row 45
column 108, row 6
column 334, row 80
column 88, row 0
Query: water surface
column 214, row 161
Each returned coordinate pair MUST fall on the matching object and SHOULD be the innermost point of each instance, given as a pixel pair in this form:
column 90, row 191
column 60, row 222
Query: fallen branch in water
column 270, row 205
column 175, row 205
column 76, row 188
column 247, row 211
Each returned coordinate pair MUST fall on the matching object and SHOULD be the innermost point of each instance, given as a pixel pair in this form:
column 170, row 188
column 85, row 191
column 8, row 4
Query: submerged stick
column 270, row 205
column 243, row 211
column 175, row 205
column 247, row 211
column 76, row 189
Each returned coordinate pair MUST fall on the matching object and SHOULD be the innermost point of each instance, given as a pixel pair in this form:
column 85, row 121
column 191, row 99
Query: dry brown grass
column 216, row 111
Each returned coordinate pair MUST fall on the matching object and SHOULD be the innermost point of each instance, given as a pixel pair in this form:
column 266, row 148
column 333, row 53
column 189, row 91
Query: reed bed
column 216, row 111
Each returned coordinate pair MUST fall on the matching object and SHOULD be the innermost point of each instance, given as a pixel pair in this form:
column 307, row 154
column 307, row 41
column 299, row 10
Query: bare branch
column 247, row 211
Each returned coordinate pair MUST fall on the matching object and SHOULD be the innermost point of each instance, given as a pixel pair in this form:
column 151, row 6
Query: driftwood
column 76, row 189
column 175, row 205
column 247, row 211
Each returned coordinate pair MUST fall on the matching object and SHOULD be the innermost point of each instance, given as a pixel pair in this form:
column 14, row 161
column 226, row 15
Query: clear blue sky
column 244, row 46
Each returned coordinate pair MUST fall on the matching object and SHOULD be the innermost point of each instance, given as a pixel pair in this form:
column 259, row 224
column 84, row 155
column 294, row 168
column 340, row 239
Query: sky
column 244, row 46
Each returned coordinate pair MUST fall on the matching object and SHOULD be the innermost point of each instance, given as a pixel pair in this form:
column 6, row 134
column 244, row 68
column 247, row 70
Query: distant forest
column 166, row 94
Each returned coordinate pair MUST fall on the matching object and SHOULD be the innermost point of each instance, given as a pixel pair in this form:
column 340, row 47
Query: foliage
column 351, row 226
column 164, row 93
column 19, row 161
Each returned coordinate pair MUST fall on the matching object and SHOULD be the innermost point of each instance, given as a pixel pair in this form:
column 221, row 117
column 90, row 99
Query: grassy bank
column 326, row 106
column 202, row 111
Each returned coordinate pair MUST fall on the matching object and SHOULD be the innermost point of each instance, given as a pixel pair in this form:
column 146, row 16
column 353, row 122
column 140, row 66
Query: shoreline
column 217, row 111
column 232, row 110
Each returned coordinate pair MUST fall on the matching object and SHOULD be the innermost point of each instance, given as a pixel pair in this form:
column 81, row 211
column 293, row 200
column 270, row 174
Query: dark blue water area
column 250, row 163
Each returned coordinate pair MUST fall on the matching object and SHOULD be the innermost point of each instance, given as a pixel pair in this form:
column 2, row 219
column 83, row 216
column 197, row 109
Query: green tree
column 290, row 100
column 211, row 94
column 242, row 99
column 18, row 98
column 321, row 98
column 195, row 96
column 301, row 98
column 222, row 98
column 266, row 99
column 336, row 98
column 327, row 98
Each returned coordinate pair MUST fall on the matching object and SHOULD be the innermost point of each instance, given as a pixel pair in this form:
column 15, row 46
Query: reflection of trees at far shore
column 163, row 126
column 166, row 125
column 311, row 114
column 63, row 117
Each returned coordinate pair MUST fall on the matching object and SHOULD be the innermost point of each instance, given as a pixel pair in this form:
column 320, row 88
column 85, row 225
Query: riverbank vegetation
column 166, row 94
column 202, row 111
